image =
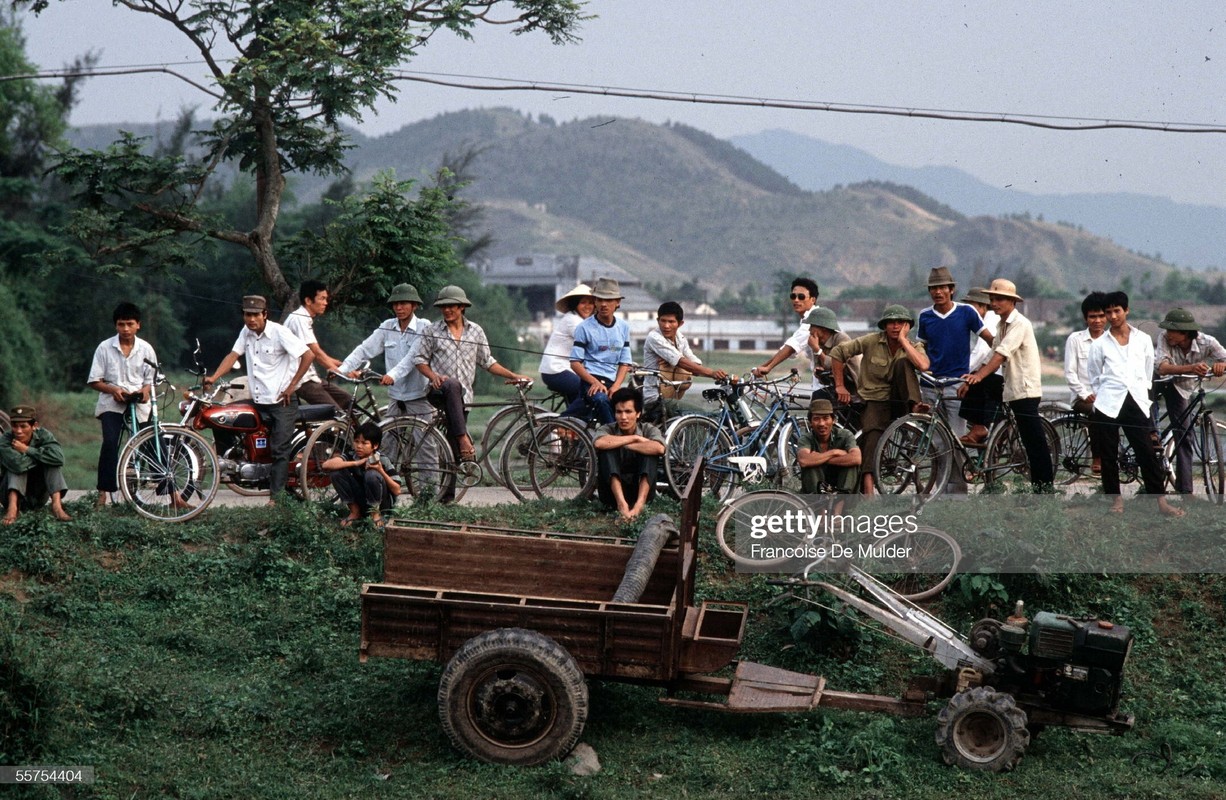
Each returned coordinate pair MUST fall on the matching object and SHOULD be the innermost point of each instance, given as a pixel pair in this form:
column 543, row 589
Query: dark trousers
column 628, row 467
column 360, row 486
column 108, row 457
column 320, row 393
column 571, row 387
column 1139, row 429
column 878, row 414
column 451, row 397
column 982, row 402
column 279, row 420
column 1030, row 430
column 1181, row 424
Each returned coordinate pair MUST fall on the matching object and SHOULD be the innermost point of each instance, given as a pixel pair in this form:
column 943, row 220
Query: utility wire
column 487, row 84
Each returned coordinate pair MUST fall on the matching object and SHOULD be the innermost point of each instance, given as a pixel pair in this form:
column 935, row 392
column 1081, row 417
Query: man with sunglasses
column 803, row 296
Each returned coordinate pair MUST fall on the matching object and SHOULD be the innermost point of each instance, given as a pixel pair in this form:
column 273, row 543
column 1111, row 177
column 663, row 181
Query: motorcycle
column 240, row 437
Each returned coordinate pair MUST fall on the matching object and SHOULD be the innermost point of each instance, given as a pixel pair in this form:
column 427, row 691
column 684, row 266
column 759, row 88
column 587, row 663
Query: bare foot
column 61, row 515
column 1174, row 512
column 1117, row 507
column 8, row 520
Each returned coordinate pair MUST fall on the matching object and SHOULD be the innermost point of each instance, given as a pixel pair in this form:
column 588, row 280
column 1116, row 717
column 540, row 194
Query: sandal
column 379, row 522
column 347, row 522
column 469, row 455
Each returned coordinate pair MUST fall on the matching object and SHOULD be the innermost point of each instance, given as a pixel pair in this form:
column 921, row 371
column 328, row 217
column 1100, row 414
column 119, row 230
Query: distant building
column 541, row 279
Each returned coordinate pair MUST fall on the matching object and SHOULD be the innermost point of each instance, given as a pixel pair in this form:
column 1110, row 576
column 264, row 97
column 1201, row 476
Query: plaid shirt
column 455, row 359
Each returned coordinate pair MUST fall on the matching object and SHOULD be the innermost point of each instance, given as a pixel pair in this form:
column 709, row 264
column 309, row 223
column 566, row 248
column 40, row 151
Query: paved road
column 476, row 496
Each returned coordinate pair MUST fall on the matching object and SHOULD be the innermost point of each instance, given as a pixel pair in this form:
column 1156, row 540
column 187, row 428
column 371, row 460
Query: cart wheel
column 513, row 696
column 982, row 728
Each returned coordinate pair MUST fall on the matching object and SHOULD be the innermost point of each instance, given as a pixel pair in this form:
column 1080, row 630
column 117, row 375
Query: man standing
column 803, row 295
column 276, row 362
column 946, row 329
column 667, row 350
column 888, row 384
column 1185, row 351
column 981, row 402
column 1076, row 368
column 601, row 355
column 31, row 467
column 1018, row 352
column 396, row 340
column 628, row 456
column 301, row 322
column 123, row 372
column 448, row 356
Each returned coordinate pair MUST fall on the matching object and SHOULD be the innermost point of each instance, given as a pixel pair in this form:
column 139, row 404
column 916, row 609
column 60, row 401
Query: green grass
column 219, row 659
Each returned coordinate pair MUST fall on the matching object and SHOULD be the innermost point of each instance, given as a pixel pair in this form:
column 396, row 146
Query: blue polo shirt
column 601, row 348
column 947, row 338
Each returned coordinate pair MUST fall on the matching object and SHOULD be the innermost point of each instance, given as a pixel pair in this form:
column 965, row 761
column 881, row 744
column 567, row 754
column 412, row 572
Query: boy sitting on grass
column 31, row 462
column 364, row 481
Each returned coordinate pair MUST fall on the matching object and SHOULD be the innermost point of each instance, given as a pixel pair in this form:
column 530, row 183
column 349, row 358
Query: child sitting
column 364, row 481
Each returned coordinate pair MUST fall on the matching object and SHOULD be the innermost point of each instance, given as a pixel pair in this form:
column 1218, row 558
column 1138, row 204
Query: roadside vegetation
column 219, row 658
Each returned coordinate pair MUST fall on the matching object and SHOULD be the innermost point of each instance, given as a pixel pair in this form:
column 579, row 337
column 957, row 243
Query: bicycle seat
column 933, row 380
column 316, row 412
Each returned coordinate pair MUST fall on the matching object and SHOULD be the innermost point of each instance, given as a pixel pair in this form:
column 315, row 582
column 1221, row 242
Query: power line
column 494, row 84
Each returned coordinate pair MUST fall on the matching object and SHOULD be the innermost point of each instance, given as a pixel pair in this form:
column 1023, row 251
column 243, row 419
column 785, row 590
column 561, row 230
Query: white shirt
column 557, row 350
column 1076, row 352
column 658, row 350
column 302, row 324
column 272, row 359
column 132, row 373
column 799, row 341
column 397, row 348
column 1117, row 372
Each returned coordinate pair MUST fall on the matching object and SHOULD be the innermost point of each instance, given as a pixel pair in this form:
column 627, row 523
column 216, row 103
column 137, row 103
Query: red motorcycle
column 240, row 437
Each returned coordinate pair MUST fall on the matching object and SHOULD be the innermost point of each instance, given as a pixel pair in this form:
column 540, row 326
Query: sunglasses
column 799, row 296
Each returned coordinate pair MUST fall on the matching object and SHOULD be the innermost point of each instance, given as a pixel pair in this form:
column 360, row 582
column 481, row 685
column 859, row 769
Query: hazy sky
column 1134, row 60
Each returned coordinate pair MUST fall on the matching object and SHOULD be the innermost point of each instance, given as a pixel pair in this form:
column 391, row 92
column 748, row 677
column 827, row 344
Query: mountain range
column 672, row 203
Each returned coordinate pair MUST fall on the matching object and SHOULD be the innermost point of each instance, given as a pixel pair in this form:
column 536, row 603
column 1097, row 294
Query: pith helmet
column 451, row 296
column 1004, row 288
column 895, row 312
column 1179, row 319
column 822, row 317
column 404, row 293
column 940, row 276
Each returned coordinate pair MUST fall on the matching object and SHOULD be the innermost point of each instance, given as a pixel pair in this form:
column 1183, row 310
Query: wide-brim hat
column 977, row 295
column 1179, row 319
column 821, row 407
column 895, row 312
column 1003, row 288
column 940, row 276
column 253, row 303
column 23, row 414
column 451, row 296
column 606, row 289
column 567, row 301
column 404, row 293
column 822, row 317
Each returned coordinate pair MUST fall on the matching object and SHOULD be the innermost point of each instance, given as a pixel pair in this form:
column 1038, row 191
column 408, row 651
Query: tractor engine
column 1074, row 665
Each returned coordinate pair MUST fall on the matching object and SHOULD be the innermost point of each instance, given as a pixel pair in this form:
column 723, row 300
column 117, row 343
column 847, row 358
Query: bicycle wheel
column 1006, row 456
column 1076, row 461
column 785, row 469
column 333, row 438
column 745, row 534
column 168, row 474
column 494, row 438
column 422, row 457
column 915, row 454
column 1212, row 468
column 690, row 438
column 551, row 457
column 917, row 564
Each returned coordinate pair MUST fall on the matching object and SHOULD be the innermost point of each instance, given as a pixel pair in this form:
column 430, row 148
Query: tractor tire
column 982, row 729
column 513, row 696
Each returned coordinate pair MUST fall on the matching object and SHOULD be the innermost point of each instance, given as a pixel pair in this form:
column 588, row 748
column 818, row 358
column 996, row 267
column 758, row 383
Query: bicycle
column 1196, row 424
column 917, row 451
column 918, row 562
column 735, row 446
column 163, row 468
column 548, row 456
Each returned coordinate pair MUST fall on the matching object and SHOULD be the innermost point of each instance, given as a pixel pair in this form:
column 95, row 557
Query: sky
column 1122, row 60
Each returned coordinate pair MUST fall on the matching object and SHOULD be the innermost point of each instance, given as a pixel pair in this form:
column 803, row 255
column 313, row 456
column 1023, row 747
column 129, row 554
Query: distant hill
column 671, row 202
column 1184, row 234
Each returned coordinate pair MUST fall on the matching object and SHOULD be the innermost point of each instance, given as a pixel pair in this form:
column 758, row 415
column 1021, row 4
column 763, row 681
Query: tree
column 285, row 73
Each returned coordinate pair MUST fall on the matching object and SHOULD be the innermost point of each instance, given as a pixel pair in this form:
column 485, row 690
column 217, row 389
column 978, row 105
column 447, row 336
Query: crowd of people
column 982, row 342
